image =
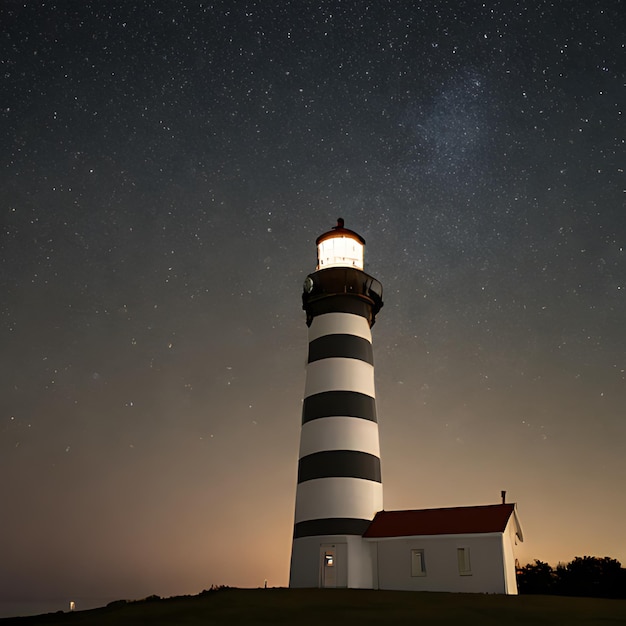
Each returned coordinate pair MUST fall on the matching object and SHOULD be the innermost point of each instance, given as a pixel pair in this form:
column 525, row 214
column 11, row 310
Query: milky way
column 166, row 168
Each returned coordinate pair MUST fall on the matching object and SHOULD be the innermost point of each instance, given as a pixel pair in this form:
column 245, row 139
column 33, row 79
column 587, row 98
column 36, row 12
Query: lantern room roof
column 339, row 231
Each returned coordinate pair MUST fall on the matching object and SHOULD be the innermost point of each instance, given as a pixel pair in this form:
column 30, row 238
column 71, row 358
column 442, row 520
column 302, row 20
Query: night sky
column 164, row 172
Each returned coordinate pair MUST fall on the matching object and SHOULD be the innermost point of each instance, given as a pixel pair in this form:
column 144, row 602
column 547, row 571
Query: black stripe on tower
column 339, row 403
column 340, row 304
column 346, row 346
column 331, row 526
column 339, row 464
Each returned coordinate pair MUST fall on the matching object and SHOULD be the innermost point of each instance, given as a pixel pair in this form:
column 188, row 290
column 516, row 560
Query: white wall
column 361, row 567
column 440, row 556
column 508, row 543
column 354, row 561
column 304, row 568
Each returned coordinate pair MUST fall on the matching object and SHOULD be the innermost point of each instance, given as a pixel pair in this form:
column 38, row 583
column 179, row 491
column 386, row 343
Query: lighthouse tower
column 339, row 481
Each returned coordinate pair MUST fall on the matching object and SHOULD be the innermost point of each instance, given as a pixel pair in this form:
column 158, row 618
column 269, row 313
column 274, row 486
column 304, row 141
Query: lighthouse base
column 333, row 561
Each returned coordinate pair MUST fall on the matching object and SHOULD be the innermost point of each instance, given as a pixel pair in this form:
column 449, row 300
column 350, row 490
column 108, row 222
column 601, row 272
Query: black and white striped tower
column 339, row 481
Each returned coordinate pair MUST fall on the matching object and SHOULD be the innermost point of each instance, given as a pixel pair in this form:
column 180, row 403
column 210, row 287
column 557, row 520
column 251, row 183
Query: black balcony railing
column 339, row 282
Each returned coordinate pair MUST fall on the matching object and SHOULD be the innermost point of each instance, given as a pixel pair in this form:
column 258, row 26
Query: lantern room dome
column 340, row 247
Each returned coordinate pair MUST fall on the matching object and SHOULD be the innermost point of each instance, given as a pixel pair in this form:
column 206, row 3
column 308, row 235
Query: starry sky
column 166, row 168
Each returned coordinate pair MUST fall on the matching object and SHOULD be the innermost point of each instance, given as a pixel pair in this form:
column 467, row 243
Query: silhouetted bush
column 538, row 577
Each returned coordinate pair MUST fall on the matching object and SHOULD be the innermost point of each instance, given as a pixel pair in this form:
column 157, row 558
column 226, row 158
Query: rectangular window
column 418, row 565
column 463, row 558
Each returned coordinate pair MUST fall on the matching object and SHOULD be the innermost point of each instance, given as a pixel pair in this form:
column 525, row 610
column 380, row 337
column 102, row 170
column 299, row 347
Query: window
column 340, row 252
column 418, row 565
column 463, row 558
column 329, row 560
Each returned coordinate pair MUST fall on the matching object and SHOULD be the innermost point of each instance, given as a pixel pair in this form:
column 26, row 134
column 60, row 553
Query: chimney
column 503, row 496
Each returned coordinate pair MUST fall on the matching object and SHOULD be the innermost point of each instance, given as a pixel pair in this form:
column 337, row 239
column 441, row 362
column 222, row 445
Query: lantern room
column 340, row 247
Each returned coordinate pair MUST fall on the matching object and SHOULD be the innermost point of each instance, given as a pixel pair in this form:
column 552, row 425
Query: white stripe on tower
column 337, row 498
column 339, row 433
column 339, row 374
column 340, row 324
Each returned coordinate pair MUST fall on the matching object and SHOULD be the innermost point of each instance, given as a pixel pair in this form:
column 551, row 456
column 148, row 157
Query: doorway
column 328, row 566
column 333, row 565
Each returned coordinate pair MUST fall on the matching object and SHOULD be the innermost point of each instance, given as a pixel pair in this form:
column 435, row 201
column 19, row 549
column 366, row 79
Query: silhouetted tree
column 537, row 577
column 591, row 576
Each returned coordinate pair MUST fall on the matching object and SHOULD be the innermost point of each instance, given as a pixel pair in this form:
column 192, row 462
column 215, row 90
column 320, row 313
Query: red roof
column 455, row 521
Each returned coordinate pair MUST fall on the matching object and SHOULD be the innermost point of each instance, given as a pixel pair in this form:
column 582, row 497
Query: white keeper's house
column 461, row 549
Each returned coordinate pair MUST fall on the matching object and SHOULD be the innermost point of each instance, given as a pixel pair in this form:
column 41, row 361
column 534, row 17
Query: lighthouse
column 339, row 487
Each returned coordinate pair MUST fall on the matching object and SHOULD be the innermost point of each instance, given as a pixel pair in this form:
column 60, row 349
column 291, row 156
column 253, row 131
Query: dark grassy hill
column 343, row 607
